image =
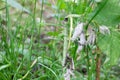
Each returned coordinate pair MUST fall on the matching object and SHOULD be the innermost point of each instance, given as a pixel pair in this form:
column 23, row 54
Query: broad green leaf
column 110, row 13
column 109, row 44
column 15, row 4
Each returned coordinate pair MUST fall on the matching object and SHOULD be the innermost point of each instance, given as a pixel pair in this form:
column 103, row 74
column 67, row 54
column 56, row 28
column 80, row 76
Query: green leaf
column 2, row 76
column 109, row 44
column 15, row 4
column 4, row 66
column 109, row 14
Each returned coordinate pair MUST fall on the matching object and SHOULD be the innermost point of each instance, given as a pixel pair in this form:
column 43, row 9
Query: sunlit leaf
column 4, row 66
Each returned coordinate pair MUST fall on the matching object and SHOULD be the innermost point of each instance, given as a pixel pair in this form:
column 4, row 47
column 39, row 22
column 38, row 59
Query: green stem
column 65, row 45
column 41, row 14
column 88, row 63
column 98, row 64
column 70, row 33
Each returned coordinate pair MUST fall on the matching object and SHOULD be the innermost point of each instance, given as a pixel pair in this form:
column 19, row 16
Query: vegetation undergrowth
column 59, row 40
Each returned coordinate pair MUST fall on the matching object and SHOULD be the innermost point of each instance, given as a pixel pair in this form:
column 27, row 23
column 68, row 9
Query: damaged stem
column 98, row 64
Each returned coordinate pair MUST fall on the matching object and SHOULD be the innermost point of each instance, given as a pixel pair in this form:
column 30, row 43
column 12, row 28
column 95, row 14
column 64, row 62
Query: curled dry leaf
column 91, row 38
column 80, row 47
column 82, row 40
column 69, row 64
column 104, row 30
column 78, row 30
column 68, row 73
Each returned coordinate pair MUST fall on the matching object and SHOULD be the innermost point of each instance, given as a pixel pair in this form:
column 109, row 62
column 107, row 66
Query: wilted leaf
column 104, row 30
column 69, row 64
column 92, row 36
column 80, row 47
column 78, row 30
column 68, row 73
column 82, row 40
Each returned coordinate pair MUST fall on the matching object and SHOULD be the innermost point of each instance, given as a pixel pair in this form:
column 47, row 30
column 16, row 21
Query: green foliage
column 109, row 44
column 71, row 7
column 109, row 14
column 23, row 39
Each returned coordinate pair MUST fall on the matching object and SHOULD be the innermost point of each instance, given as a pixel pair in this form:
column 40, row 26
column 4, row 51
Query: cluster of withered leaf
column 69, row 64
column 81, row 38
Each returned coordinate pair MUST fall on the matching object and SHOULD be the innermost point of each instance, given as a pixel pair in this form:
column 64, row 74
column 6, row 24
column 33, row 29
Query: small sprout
column 78, row 30
column 104, row 30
